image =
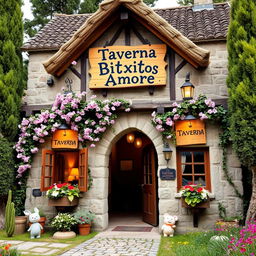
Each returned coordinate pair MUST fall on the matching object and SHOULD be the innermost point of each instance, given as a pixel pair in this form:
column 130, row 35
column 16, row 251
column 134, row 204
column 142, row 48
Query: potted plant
column 194, row 196
column 63, row 194
column 63, row 223
column 41, row 221
column 84, row 219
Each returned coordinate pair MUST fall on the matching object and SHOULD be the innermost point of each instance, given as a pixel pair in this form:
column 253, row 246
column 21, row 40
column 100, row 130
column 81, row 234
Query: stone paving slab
column 116, row 247
column 42, row 248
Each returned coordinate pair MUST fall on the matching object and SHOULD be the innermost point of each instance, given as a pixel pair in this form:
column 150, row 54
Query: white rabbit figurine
column 35, row 228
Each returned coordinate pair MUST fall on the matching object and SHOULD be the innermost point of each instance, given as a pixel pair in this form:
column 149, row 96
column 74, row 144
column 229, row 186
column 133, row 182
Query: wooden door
column 149, row 186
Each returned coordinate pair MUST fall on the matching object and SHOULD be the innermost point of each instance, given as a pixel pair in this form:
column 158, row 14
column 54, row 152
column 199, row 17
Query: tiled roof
column 105, row 16
column 197, row 26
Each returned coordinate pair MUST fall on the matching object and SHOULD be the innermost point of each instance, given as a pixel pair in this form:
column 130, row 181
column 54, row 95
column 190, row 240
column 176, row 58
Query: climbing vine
column 89, row 119
column 201, row 108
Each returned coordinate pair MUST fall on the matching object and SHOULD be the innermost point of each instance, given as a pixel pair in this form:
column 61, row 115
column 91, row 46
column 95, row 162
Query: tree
column 242, row 87
column 11, row 67
column 43, row 11
column 191, row 2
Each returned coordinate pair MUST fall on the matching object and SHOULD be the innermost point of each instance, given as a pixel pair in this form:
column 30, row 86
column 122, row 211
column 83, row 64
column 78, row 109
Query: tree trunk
column 2, row 212
column 251, row 213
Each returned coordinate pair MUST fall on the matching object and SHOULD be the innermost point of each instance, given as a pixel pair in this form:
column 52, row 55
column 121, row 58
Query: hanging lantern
column 138, row 143
column 130, row 137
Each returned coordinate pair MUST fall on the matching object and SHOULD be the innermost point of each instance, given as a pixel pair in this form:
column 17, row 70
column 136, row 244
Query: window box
column 63, row 201
column 201, row 205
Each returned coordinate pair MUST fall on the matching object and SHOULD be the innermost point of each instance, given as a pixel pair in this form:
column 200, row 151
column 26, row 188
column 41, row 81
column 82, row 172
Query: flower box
column 63, row 201
column 202, row 205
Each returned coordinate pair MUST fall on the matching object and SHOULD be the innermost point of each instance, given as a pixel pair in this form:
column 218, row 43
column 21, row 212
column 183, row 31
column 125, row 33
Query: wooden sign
column 127, row 66
column 65, row 139
column 190, row 132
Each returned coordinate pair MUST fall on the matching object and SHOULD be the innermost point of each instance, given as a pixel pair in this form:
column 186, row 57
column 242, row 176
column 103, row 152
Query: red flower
column 242, row 250
column 52, row 186
column 59, row 185
column 191, row 189
column 65, row 184
column 71, row 187
column 199, row 190
column 187, row 186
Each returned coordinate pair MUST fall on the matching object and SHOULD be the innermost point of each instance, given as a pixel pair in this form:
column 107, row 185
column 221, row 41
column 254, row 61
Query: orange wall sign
column 65, row 139
column 190, row 132
column 127, row 66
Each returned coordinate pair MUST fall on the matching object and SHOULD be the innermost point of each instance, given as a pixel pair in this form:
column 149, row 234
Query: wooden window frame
column 83, row 169
column 206, row 164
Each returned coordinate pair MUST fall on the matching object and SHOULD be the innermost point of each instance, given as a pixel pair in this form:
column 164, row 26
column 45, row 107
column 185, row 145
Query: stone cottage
column 154, row 48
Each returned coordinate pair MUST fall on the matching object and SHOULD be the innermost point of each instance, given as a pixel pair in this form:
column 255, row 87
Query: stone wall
column 96, row 199
column 210, row 81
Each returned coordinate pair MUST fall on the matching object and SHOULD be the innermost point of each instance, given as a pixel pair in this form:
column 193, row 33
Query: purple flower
column 169, row 121
column 203, row 116
column 176, row 117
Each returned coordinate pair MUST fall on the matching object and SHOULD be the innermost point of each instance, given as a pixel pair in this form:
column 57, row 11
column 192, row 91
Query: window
column 193, row 167
column 59, row 166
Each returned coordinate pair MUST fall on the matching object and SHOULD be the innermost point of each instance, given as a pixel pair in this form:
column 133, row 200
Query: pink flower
column 92, row 146
column 176, row 117
column 34, row 150
column 74, row 62
column 127, row 110
column 169, row 121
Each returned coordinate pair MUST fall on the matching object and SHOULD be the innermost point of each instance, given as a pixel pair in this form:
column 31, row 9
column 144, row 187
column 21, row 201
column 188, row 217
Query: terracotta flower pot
column 84, row 229
column 63, row 201
column 64, row 235
column 42, row 222
column 20, row 224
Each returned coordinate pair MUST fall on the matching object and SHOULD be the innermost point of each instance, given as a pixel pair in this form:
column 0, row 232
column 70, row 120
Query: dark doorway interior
column 126, row 176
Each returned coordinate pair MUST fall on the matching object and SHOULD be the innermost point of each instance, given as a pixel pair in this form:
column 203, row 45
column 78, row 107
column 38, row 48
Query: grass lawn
column 192, row 244
column 47, row 237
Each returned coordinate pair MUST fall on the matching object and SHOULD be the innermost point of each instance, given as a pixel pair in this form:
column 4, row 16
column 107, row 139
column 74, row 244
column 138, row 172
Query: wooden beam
column 172, row 87
column 83, row 72
column 75, row 72
column 181, row 65
column 139, row 35
column 115, row 37
column 127, row 32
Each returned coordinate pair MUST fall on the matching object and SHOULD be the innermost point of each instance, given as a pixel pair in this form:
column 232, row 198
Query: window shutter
column 47, row 172
column 83, row 170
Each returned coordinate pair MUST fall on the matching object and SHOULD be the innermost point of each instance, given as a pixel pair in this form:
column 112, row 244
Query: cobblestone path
column 100, row 246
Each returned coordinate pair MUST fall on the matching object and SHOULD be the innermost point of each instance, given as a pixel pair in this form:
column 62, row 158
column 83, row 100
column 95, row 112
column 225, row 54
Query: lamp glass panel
column 167, row 155
column 130, row 137
column 138, row 142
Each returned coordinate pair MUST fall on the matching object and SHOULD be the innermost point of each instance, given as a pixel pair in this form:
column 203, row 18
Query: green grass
column 47, row 237
column 192, row 244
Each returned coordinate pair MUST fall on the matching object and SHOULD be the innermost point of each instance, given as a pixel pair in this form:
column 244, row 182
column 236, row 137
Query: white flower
column 55, row 193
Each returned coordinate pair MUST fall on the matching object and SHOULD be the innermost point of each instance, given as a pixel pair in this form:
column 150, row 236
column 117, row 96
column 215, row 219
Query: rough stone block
column 215, row 156
column 233, row 161
column 169, row 206
column 100, row 172
column 164, row 193
column 101, row 222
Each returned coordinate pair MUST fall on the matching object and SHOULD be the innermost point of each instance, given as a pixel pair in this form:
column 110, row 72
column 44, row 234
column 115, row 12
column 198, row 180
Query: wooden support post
column 172, row 74
column 83, row 72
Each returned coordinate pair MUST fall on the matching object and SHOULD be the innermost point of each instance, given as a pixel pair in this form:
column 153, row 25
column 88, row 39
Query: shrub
column 63, row 222
column 84, row 217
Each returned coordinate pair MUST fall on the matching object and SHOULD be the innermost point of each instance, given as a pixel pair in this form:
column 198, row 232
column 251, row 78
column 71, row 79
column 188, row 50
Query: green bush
column 6, row 166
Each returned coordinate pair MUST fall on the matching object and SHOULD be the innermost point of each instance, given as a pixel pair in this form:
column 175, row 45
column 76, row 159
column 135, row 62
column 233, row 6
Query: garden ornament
column 35, row 228
column 169, row 225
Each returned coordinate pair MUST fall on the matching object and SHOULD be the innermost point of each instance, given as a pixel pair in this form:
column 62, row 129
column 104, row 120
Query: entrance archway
column 133, row 179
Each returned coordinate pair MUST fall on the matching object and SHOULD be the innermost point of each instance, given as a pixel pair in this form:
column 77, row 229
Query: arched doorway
column 133, row 179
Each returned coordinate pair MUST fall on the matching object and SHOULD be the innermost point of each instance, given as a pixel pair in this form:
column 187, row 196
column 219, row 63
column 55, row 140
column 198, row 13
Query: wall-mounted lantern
column 167, row 152
column 130, row 137
column 187, row 89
